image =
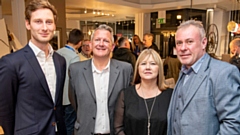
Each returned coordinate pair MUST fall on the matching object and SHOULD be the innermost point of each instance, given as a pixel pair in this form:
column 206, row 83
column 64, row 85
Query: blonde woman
column 141, row 109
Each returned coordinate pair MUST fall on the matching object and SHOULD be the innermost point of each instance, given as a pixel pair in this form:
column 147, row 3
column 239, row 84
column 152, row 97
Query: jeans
column 69, row 118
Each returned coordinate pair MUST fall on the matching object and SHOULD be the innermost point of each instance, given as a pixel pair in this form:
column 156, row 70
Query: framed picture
column 56, row 40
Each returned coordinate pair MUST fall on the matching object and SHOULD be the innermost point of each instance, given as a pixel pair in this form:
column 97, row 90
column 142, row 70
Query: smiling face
column 41, row 26
column 189, row 45
column 148, row 69
column 101, row 43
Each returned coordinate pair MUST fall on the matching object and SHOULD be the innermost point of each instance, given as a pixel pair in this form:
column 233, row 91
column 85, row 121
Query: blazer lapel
column 33, row 62
column 114, row 72
column 198, row 80
column 88, row 76
column 58, row 76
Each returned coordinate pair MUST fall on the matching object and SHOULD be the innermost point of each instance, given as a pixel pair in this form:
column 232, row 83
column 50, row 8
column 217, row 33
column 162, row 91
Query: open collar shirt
column 47, row 65
column 101, row 83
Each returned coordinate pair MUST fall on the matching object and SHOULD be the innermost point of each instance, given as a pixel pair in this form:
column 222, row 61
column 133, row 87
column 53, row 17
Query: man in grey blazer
column 69, row 52
column 206, row 99
column 95, row 84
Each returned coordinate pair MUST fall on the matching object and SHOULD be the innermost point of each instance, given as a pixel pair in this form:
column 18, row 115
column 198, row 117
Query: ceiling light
column 179, row 17
column 94, row 12
column 102, row 13
column 85, row 11
column 98, row 13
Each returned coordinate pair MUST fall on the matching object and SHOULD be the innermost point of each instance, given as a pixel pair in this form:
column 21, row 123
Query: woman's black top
column 131, row 116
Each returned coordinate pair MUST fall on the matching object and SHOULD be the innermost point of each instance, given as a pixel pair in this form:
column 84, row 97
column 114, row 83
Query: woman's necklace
column 149, row 113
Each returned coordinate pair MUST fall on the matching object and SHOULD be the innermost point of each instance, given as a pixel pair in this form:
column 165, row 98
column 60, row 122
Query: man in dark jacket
column 148, row 42
column 123, row 53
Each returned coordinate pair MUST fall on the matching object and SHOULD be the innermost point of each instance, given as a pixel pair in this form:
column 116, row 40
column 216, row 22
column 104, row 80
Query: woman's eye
column 153, row 63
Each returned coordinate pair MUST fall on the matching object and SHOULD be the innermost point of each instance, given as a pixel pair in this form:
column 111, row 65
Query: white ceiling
column 126, row 9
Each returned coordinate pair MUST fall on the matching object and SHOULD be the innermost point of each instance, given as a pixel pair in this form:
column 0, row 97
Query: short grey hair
column 197, row 24
column 103, row 27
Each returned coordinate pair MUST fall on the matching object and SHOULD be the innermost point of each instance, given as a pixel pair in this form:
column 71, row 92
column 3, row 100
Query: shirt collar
column 70, row 47
column 37, row 50
column 94, row 69
column 86, row 55
column 195, row 67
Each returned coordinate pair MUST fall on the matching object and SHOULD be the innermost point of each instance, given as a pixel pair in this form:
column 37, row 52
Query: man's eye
column 190, row 41
column 106, row 41
column 38, row 21
column 49, row 22
column 178, row 43
column 96, row 40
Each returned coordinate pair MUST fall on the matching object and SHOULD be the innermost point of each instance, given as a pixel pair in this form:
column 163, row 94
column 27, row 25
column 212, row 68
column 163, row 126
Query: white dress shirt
column 101, row 81
column 47, row 65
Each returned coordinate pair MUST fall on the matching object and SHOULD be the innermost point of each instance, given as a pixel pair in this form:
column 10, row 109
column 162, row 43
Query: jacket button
column 53, row 123
column 94, row 118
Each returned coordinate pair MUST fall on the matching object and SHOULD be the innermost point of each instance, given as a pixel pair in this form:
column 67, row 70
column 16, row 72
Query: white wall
column 8, row 20
column 71, row 24
column 142, row 24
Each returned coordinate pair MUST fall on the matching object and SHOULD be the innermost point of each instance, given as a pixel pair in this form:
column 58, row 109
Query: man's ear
column 113, row 46
column 204, row 43
column 27, row 24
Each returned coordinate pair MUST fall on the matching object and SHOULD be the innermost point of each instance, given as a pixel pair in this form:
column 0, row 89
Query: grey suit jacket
column 82, row 92
column 212, row 104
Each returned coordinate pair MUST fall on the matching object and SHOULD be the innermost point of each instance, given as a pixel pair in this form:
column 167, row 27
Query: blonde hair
column 156, row 57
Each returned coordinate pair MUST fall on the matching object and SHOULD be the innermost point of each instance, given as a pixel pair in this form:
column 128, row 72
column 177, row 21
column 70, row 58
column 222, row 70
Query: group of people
column 108, row 96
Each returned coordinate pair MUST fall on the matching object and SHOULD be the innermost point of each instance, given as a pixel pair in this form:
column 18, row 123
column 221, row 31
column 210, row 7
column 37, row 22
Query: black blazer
column 26, row 105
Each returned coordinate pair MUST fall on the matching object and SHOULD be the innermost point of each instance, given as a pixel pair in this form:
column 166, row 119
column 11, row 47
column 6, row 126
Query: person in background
column 85, row 54
column 148, row 42
column 75, row 39
column 137, row 45
column 32, row 79
column 205, row 100
column 172, row 66
column 115, row 43
column 141, row 109
column 235, row 52
column 123, row 53
column 95, row 84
